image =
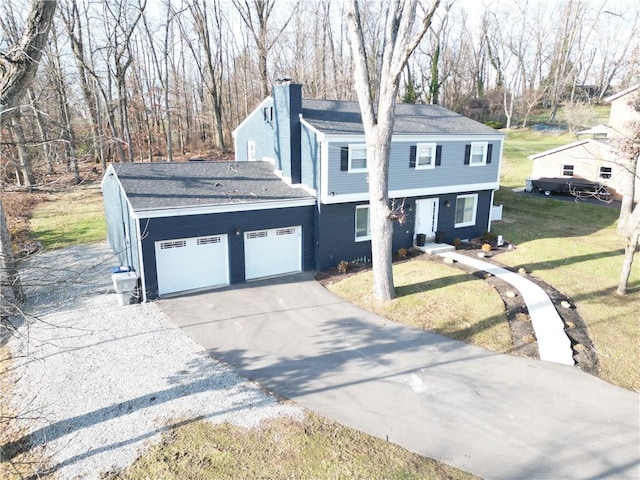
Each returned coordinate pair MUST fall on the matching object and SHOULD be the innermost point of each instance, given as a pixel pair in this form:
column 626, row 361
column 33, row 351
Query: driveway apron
column 494, row 415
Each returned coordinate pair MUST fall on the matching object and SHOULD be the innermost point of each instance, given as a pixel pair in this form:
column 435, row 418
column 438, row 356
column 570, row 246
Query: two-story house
column 296, row 198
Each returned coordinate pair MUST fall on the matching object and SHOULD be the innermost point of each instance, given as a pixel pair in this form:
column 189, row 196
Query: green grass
column 425, row 299
column 575, row 248
column 70, row 218
column 518, row 146
column 315, row 448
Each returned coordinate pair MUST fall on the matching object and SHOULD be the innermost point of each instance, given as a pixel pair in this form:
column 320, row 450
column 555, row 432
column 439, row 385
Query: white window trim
column 358, row 146
column 251, row 151
column 609, row 173
column 355, row 232
column 573, row 169
column 433, row 148
column 475, row 210
column 484, row 146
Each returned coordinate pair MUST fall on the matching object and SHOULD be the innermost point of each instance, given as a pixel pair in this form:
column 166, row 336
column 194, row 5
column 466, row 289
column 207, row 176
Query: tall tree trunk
column 17, row 71
column 377, row 112
column 42, row 129
column 11, row 293
column 629, row 253
column 24, row 160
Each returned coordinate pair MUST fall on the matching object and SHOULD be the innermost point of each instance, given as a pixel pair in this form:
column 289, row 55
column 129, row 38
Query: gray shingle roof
column 339, row 117
column 187, row 184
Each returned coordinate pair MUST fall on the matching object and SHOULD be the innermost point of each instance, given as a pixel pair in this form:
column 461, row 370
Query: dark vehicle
column 579, row 188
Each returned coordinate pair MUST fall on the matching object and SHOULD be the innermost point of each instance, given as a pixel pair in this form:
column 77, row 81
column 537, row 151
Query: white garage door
column 272, row 252
column 190, row 263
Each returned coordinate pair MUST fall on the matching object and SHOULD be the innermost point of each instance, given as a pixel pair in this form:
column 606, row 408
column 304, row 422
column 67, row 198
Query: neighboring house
column 594, row 158
column 297, row 196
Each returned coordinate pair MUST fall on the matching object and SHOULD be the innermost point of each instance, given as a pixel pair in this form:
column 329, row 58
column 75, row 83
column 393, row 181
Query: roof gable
column 597, row 142
column 342, row 117
column 623, row 93
column 154, row 186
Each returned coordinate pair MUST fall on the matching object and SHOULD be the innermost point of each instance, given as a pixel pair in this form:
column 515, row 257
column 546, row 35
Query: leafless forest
column 156, row 80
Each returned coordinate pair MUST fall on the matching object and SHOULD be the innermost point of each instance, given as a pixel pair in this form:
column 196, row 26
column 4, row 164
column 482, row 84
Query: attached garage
column 192, row 263
column 272, row 252
column 197, row 225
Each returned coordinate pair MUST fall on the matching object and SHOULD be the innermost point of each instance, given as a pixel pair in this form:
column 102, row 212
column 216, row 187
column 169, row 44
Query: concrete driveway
column 493, row 415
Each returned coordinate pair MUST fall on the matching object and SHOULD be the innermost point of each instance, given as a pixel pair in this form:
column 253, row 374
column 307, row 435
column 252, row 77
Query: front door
column 427, row 217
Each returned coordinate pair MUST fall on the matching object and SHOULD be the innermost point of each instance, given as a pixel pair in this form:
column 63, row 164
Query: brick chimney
column 287, row 102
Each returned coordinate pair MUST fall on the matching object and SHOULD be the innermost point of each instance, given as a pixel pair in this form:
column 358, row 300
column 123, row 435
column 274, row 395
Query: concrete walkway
column 553, row 343
column 495, row 415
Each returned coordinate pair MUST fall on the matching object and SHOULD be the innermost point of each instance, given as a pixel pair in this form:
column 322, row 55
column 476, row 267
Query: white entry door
column 427, row 217
column 190, row 263
column 272, row 252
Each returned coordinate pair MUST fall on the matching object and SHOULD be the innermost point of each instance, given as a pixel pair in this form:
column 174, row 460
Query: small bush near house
column 343, row 267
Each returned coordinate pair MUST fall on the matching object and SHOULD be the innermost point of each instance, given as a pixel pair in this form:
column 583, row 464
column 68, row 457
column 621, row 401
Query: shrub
column 402, row 252
column 343, row 267
column 457, row 242
column 488, row 237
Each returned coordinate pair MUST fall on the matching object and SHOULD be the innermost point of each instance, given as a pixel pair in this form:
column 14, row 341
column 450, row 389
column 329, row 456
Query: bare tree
column 378, row 118
column 628, row 145
column 213, row 62
column 18, row 68
column 255, row 15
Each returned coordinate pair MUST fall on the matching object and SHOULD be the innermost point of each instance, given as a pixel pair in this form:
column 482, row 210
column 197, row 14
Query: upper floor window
column 363, row 226
column 425, row 155
column 478, row 153
column 567, row 170
column 267, row 113
column 354, row 158
column 605, row 172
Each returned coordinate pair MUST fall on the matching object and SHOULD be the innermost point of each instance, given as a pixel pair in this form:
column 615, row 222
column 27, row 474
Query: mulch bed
column 522, row 334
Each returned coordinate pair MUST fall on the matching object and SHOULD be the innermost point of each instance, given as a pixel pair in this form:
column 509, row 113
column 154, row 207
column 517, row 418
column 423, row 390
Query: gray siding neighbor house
column 296, row 198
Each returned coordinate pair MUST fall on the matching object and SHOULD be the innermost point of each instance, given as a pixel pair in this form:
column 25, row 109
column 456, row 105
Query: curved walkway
column 553, row 343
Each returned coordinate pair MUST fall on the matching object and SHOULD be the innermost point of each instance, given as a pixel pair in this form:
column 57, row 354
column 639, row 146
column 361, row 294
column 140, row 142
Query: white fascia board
column 324, row 169
column 108, row 173
column 500, row 163
column 412, row 192
column 258, row 108
column 431, row 138
column 569, row 146
column 226, row 208
column 112, row 173
column 320, row 136
column 143, row 279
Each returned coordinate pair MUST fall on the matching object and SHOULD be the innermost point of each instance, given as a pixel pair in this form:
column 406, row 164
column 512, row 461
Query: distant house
column 592, row 158
column 296, row 198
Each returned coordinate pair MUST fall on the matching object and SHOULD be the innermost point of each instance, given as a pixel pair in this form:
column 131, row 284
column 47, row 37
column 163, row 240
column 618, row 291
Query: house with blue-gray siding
column 443, row 169
column 296, row 197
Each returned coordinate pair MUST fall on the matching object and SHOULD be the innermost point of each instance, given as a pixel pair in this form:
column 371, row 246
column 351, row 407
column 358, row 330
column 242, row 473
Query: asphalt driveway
column 495, row 415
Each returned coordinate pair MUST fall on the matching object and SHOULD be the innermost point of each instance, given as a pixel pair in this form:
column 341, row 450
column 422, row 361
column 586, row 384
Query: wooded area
column 152, row 80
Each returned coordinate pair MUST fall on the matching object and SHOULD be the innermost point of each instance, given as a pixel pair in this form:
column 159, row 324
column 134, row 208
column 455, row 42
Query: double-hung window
column 478, row 154
column 425, row 155
column 357, row 158
column 567, row 170
column 466, row 208
column 605, row 172
column 363, row 226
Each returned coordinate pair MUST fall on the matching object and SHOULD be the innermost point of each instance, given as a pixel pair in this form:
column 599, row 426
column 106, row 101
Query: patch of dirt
column 522, row 334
